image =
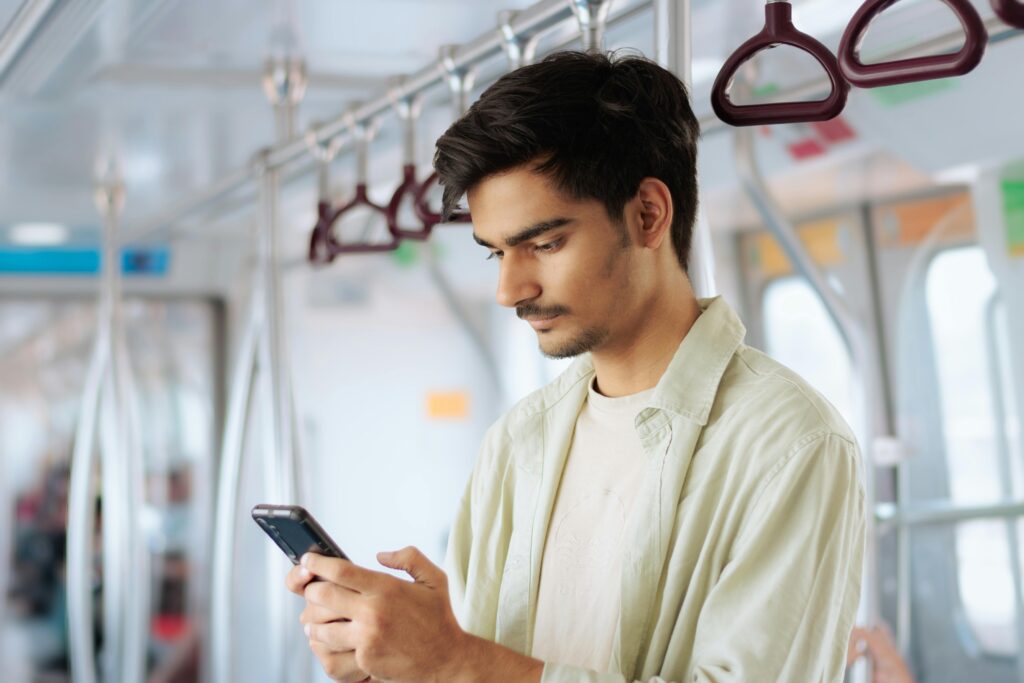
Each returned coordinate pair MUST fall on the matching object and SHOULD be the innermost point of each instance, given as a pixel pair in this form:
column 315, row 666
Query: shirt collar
column 689, row 383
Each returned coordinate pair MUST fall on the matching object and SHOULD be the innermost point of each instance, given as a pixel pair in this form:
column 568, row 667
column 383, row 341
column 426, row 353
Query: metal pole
column 82, row 512
column 592, row 16
column 673, row 50
column 228, row 481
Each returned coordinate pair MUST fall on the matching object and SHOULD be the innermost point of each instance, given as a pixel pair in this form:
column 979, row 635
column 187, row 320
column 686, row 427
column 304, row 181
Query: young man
column 676, row 506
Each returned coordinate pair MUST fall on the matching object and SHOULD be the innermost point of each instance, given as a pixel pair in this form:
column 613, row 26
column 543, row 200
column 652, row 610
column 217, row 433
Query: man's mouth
column 541, row 323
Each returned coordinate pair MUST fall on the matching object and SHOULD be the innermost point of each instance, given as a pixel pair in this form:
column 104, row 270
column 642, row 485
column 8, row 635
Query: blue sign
column 150, row 261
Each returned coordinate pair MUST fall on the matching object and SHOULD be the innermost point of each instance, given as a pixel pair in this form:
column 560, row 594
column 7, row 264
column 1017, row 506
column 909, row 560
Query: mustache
column 534, row 311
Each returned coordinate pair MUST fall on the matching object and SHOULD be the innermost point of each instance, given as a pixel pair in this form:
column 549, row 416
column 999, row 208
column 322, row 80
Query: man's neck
column 639, row 364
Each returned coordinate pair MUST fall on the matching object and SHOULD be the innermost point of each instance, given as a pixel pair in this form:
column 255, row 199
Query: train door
column 948, row 531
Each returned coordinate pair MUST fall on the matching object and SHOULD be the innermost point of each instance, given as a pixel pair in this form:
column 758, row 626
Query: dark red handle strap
column 1010, row 11
column 324, row 246
column 779, row 30
column 424, row 212
column 318, row 251
column 916, row 69
column 408, row 186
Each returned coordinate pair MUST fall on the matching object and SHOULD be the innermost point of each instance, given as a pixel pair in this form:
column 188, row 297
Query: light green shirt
column 746, row 542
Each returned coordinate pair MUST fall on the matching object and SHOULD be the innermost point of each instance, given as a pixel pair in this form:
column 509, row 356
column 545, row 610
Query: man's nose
column 515, row 284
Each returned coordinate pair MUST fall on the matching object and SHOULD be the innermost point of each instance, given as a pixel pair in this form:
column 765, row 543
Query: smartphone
column 295, row 531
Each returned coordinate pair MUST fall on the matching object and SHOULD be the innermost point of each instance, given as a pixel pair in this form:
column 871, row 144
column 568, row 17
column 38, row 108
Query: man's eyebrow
column 529, row 233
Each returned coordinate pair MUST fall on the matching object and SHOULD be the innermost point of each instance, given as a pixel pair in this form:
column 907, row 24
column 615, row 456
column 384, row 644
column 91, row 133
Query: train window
column 800, row 335
column 959, row 290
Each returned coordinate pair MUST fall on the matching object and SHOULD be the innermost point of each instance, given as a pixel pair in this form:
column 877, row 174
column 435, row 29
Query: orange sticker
column 447, row 405
column 910, row 223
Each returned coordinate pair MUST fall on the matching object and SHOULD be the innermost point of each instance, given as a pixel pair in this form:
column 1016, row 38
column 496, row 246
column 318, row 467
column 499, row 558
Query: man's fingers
column 297, row 579
column 342, row 572
column 343, row 602
column 339, row 666
column 314, row 614
column 339, row 636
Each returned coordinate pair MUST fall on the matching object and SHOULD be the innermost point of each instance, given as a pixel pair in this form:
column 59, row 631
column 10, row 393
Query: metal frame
column 263, row 352
column 539, row 18
column 109, row 410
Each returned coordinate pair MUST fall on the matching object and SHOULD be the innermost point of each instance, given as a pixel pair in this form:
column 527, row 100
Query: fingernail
column 305, row 560
column 304, row 573
column 307, row 629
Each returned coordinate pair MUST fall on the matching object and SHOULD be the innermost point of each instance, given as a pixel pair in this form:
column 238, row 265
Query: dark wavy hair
column 596, row 124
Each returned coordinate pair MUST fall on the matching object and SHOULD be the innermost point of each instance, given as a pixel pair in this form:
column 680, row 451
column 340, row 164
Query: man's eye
column 550, row 246
column 493, row 254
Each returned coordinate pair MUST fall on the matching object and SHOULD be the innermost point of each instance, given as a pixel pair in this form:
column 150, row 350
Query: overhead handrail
column 362, row 133
column 408, row 110
column 1012, row 12
column 592, row 16
column 324, row 152
column 460, row 81
column 520, row 48
column 779, row 30
column 540, row 17
column 916, row 68
column 109, row 410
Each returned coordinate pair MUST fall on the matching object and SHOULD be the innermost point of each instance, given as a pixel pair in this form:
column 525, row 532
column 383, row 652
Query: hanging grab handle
column 915, row 69
column 362, row 133
column 779, row 30
column 408, row 110
column 460, row 82
column 1010, row 11
column 324, row 153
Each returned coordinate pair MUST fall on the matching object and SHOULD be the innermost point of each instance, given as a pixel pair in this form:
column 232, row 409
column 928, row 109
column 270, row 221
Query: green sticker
column 896, row 95
column 406, row 255
column 1013, row 215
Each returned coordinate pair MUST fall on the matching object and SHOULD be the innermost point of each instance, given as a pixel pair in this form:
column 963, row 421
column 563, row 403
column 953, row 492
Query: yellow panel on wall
column 447, row 405
column 821, row 238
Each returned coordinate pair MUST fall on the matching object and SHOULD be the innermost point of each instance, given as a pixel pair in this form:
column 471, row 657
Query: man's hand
column 363, row 622
column 877, row 644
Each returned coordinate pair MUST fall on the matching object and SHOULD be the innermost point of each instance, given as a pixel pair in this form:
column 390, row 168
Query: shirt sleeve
column 783, row 607
column 785, row 603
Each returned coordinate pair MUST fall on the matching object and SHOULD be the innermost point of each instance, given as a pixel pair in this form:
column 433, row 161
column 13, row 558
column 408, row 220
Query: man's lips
column 541, row 323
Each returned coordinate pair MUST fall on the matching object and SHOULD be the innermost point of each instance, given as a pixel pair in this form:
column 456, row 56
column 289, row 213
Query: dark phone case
column 295, row 531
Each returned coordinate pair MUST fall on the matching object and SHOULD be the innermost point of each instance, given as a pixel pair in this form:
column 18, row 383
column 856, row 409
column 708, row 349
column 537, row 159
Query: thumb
column 411, row 561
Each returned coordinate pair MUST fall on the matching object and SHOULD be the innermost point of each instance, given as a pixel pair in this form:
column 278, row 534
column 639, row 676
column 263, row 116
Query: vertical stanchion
column 673, row 47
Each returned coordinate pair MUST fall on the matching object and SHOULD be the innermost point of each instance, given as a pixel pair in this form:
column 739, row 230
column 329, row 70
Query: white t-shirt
column 579, row 593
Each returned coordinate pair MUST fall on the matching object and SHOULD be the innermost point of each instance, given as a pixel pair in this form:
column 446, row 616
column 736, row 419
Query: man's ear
column 654, row 210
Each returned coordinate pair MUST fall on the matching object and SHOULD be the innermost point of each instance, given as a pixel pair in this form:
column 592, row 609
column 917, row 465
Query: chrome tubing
column 673, row 50
column 135, row 569
column 866, row 368
column 592, row 16
column 20, row 29
column 520, row 48
column 82, row 518
column 228, row 482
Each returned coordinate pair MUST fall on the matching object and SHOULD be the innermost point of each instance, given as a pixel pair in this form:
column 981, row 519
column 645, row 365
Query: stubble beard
column 585, row 341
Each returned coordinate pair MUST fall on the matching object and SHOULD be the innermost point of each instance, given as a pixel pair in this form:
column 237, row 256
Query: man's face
column 564, row 264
